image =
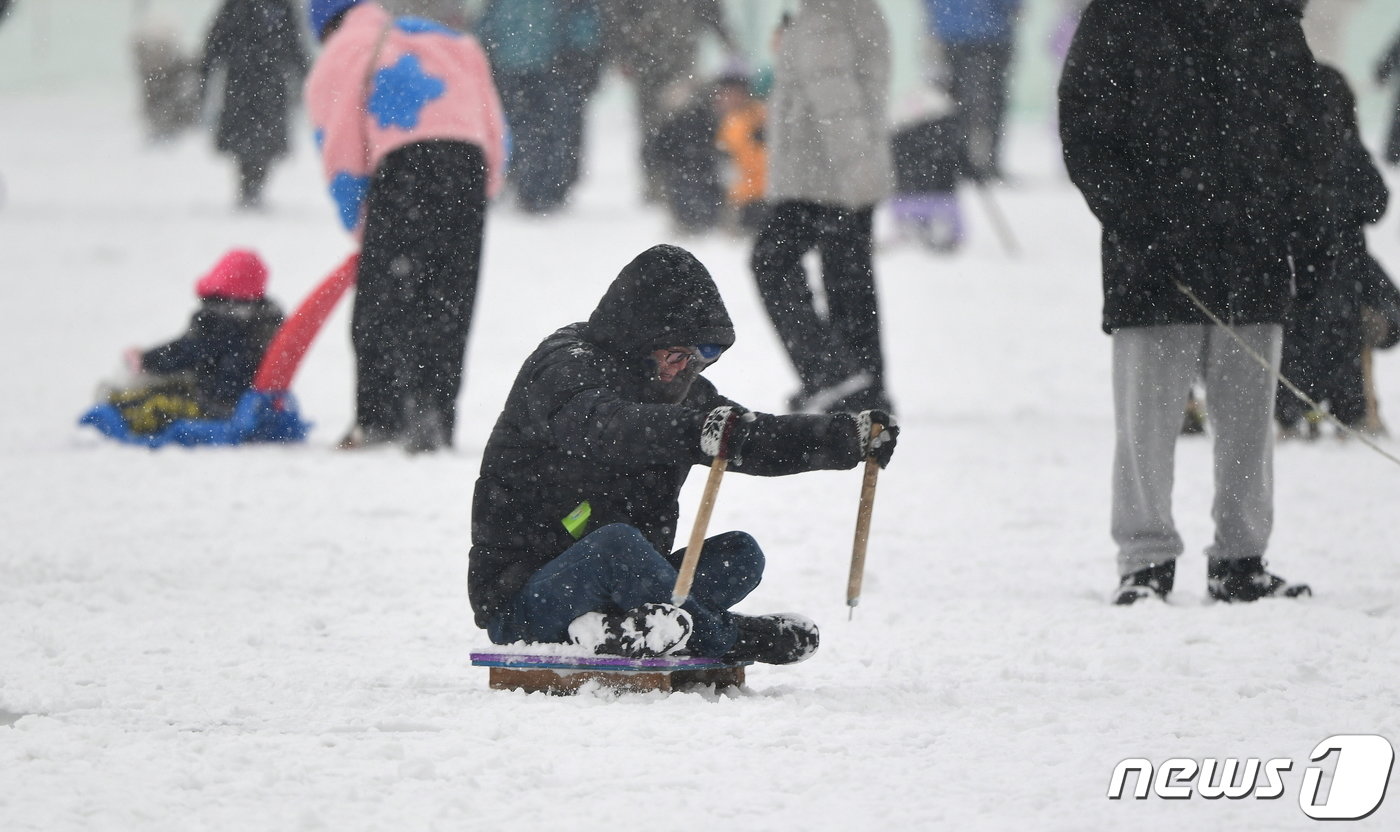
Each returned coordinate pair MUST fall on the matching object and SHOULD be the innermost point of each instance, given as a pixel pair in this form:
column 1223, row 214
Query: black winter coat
column 258, row 42
column 1357, row 196
column 1323, row 342
column 1195, row 136
column 221, row 349
column 587, row 421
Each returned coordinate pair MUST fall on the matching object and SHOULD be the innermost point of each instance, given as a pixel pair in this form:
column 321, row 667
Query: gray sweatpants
column 1153, row 370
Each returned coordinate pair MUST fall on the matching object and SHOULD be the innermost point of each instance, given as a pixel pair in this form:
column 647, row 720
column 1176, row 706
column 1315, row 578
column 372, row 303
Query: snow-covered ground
column 277, row 637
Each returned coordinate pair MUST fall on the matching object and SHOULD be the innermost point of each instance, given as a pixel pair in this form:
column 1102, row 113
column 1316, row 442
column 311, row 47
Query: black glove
column 724, row 432
column 880, row 447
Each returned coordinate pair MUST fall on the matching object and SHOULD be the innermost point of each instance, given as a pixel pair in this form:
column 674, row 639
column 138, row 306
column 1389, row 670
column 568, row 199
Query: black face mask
column 656, row 391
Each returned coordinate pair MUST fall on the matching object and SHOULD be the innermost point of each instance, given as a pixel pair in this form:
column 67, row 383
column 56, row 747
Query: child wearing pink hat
column 202, row 373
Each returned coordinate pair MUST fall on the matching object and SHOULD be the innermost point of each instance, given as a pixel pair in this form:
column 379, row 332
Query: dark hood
column 663, row 298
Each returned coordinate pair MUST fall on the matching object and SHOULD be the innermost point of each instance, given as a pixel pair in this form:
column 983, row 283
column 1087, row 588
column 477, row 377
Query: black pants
column 824, row 349
column 979, row 86
column 546, row 119
column 419, row 263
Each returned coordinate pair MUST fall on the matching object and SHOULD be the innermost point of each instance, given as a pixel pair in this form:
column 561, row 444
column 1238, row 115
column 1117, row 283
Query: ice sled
column 267, row 412
column 548, row 668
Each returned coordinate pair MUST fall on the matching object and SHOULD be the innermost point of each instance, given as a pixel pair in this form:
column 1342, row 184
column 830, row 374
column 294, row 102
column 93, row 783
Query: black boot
column 781, row 638
column 1245, row 580
column 1156, row 579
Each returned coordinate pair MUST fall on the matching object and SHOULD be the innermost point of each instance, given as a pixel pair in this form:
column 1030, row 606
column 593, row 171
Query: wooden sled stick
column 867, row 506
column 686, row 575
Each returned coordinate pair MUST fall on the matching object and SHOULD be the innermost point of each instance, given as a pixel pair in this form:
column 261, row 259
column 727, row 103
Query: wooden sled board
column 565, row 674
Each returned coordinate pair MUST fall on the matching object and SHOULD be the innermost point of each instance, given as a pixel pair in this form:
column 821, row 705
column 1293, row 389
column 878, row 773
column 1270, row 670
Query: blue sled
column 258, row 417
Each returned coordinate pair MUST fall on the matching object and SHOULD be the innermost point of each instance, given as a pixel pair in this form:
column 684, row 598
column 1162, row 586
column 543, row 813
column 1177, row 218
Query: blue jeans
column 615, row 569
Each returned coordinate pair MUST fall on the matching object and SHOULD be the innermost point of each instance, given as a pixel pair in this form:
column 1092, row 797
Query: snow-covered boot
column 649, row 630
column 1149, row 581
column 1245, row 579
column 780, row 638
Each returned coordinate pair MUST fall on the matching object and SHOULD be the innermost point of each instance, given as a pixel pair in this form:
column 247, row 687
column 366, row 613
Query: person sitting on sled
column 203, row 373
column 576, row 506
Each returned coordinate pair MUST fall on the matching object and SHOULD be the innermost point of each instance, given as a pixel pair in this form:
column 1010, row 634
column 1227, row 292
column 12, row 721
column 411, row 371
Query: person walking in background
column 1325, row 345
column 1388, row 72
column 685, row 153
column 1200, row 183
column 829, row 164
column 411, row 135
column 978, row 37
column 545, row 57
column 258, row 45
column 655, row 43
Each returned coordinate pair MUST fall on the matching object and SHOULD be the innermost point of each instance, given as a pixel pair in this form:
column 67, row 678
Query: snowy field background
column 277, row 637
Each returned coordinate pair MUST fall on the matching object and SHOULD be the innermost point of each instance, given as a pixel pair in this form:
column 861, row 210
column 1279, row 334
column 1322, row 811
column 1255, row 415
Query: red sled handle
column 294, row 337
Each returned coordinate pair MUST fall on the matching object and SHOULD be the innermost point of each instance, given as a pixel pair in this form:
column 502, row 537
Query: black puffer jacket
column 1194, row 132
column 221, row 350
column 586, row 420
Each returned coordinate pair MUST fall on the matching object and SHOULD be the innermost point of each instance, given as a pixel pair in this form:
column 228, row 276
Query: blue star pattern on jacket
column 422, row 25
column 349, row 194
column 401, row 91
column 319, row 136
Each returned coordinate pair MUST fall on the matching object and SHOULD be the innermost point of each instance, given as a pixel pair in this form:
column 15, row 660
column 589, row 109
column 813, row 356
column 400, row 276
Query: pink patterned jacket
column 425, row 82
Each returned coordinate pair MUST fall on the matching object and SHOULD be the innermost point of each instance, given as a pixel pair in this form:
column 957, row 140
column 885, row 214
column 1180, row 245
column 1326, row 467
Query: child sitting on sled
column 203, row 373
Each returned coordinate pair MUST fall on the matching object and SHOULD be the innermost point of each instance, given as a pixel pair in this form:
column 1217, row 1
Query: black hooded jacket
column 1194, row 131
column 587, row 421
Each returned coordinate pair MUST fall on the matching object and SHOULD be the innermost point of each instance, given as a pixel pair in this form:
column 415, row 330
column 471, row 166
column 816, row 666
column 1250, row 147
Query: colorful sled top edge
column 546, row 661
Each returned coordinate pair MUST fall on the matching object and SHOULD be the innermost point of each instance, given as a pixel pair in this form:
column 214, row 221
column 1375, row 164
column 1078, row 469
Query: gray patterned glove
column 725, row 431
column 881, row 447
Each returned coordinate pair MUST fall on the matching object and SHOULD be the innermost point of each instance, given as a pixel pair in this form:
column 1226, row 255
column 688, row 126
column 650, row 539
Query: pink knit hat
column 239, row 275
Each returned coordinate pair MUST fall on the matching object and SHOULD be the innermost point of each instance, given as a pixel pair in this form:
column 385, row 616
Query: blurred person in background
column 412, row 144
column 1329, row 338
column 828, row 166
column 545, row 58
column 686, row 155
column 258, row 45
column 172, row 93
column 978, row 37
column 655, row 43
column 742, row 139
